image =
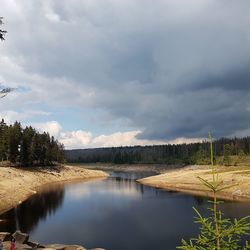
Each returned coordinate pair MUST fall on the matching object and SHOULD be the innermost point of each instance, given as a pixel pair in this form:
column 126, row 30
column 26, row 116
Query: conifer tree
column 27, row 147
column 14, row 141
column 216, row 231
column 26, row 142
column 3, row 140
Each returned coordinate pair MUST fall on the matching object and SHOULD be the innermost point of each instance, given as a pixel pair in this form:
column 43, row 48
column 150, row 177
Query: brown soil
column 17, row 184
column 185, row 180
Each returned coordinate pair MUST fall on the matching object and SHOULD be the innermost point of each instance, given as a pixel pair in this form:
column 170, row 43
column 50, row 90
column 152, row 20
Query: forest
column 27, row 147
column 227, row 151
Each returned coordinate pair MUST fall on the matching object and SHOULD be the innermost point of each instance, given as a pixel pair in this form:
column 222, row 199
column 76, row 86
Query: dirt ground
column 17, row 184
column 185, row 180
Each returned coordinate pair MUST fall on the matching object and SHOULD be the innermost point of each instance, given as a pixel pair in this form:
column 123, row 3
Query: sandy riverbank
column 17, row 184
column 157, row 168
column 185, row 180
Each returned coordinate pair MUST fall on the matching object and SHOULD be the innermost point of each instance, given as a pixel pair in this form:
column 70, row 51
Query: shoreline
column 140, row 167
column 185, row 180
column 18, row 184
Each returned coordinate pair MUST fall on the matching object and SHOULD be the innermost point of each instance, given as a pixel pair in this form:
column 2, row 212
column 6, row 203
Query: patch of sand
column 17, row 184
column 157, row 168
column 185, row 180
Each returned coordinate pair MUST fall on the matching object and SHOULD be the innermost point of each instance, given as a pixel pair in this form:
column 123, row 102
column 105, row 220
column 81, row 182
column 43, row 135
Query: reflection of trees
column 8, row 222
column 27, row 215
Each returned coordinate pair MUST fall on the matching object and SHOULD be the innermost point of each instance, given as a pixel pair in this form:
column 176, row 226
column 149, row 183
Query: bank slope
column 17, row 184
column 185, row 180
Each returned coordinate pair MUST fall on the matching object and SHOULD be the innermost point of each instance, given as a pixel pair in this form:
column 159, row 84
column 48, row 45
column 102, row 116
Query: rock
column 55, row 246
column 74, row 247
column 6, row 245
column 23, row 246
column 5, row 236
column 22, row 243
column 21, row 238
column 34, row 244
column 65, row 247
column 46, row 248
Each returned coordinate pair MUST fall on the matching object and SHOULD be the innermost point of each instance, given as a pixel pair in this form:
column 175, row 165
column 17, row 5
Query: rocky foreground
column 22, row 242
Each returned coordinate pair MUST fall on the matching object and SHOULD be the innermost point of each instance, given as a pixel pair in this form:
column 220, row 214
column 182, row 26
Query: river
column 115, row 213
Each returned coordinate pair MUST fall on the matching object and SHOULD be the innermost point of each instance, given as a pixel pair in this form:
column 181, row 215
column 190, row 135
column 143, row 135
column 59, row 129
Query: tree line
column 27, row 147
column 194, row 153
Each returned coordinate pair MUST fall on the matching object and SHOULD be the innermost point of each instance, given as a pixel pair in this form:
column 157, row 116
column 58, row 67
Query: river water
column 116, row 213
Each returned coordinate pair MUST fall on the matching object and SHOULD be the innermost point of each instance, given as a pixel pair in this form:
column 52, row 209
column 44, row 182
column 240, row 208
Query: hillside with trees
column 27, row 147
column 227, row 151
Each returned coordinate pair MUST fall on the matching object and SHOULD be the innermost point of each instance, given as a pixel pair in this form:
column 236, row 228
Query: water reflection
column 116, row 213
column 27, row 215
column 199, row 200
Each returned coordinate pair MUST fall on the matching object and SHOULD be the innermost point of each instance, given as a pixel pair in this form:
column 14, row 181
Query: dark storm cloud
column 235, row 80
column 171, row 68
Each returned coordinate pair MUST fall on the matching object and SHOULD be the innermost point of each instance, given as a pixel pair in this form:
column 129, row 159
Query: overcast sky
column 125, row 72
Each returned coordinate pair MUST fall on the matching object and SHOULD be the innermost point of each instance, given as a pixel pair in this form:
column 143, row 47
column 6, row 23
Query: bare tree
column 2, row 32
column 3, row 91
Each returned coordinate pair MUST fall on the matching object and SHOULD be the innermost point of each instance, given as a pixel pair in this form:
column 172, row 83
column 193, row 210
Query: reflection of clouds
column 132, row 192
column 78, row 193
column 85, row 190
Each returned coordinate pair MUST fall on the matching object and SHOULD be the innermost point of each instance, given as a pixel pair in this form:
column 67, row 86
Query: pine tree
column 3, row 140
column 14, row 141
column 27, row 147
column 26, row 142
column 216, row 231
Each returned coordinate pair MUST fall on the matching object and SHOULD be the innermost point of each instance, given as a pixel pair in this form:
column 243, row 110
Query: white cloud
column 11, row 116
column 52, row 127
column 122, row 139
column 76, row 139
column 85, row 139
column 182, row 140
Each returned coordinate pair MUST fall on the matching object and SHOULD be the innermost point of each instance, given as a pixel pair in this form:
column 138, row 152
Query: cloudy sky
column 127, row 72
